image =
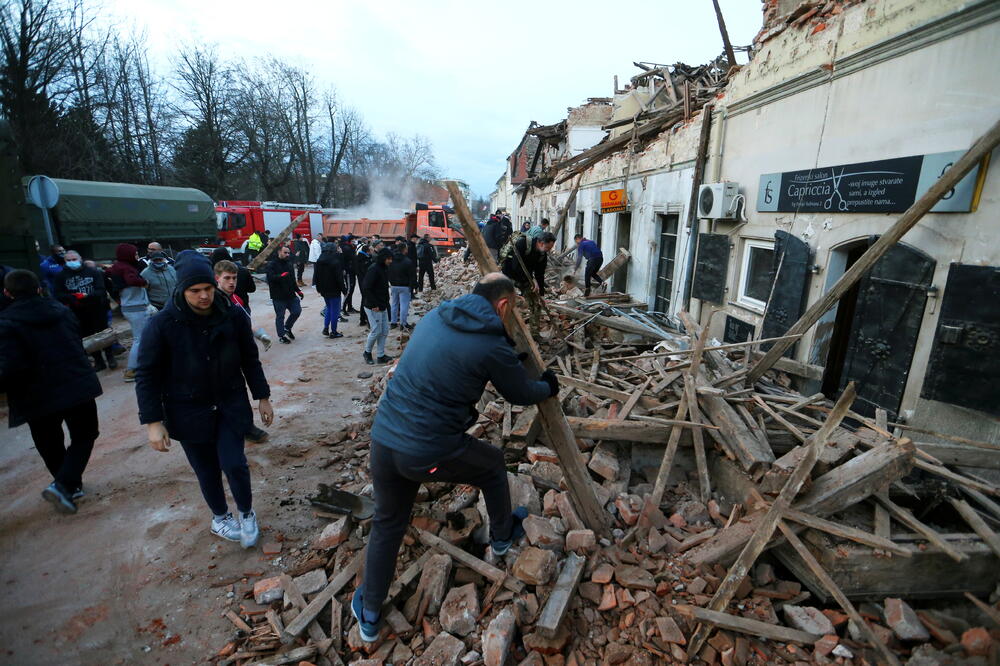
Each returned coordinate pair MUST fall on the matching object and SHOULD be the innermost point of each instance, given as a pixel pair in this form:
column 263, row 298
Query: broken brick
column 459, row 610
column 634, row 577
column 604, row 463
column 268, row 590
column 669, row 631
column 808, row 619
column 976, row 642
column 608, row 599
column 498, row 638
column 603, row 574
column 904, row 621
column 535, row 566
column 541, row 533
column 542, row 454
column 580, row 540
column 333, row 534
column 444, row 650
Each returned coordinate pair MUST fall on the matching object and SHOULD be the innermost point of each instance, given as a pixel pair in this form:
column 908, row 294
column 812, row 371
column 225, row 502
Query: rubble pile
column 692, row 467
column 811, row 14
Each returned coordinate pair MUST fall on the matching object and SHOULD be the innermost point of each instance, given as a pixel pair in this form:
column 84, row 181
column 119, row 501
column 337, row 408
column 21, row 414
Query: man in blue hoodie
column 419, row 430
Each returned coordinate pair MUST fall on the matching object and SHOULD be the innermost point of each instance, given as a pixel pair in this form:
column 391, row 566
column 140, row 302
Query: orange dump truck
column 426, row 218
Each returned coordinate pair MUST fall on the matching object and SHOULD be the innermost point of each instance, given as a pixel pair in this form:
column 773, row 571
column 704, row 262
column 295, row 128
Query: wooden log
column 562, row 594
column 685, row 352
column 847, row 532
column 977, row 524
column 983, row 501
column 907, row 518
column 313, row 608
column 557, row 431
column 951, row 453
column 471, row 561
column 758, row 542
column 988, row 610
column 746, row 625
column 632, row 400
column 628, row 431
column 780, row 419
column 750, row 451
column 951, row 438
column 704, row 481
column 100, row 340
column 980, row 149
column 659, row 486
column 275, row 242
column 836, row 593
column 615, row 264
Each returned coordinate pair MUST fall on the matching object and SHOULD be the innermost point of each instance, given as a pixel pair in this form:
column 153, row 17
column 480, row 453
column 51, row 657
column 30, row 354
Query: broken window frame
column 749, row 245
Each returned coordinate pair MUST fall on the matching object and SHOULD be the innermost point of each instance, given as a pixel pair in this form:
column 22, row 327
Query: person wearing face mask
column 162, row 279
column 419, row 434
column 81, row 289
column 51, row 266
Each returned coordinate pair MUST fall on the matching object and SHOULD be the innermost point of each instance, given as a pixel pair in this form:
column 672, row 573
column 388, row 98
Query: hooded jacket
column 431, row 399
column 426, row 254
column 161, row 284
column 194, row 368
column 375, row 286
column 43, row 368
column 125, row 274
column 401, row 271
column 328, row 273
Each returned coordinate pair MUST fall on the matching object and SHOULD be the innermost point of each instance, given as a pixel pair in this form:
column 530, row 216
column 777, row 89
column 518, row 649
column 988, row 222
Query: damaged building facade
column 845, row 114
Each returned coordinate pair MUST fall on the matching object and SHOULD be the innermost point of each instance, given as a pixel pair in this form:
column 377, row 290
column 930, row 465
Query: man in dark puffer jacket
column 196, row 360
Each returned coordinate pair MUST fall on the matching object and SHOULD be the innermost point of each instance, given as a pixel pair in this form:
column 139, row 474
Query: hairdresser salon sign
column 885, row 186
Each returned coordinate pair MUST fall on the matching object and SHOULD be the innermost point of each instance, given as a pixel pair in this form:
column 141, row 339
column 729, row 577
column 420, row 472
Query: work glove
column 550, row 378
column 79, row 296
column 301, row 295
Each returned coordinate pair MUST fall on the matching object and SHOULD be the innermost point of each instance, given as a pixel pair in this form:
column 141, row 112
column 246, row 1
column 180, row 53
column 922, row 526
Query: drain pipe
column 696, row 181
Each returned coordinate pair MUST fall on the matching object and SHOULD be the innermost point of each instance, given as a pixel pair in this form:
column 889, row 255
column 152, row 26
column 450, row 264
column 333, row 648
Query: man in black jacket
column 48, row 380
column 285, row 294
column 301, row 247
column 427, row 256
column 245, row 284
column 531, row 254
column 400, row 284
column 348, row 250
column 196, row 360
column 419, row 433
column 375, row 297
column 328, row 278
column 81, row 289
column 362, row 261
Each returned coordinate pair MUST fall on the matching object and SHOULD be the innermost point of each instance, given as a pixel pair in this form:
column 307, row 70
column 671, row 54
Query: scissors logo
column 841, row 205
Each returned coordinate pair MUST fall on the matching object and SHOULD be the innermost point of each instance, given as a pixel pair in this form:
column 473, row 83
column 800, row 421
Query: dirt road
column 128, row 579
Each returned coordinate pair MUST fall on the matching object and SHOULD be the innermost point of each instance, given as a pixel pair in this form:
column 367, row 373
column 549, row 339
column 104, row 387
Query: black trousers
column 300, row 268
column 223, row 454
column 67, row 464
column 427, row 269
column 397, row 477
column 350, row 281
column 593, row 265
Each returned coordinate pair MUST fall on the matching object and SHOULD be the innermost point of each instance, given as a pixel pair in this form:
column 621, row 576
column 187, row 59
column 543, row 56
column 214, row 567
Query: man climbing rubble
column 415, row 442
column 588, row 249
column 524, row 260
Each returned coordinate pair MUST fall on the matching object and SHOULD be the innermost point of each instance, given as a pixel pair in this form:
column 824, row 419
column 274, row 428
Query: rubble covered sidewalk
column 692, row 465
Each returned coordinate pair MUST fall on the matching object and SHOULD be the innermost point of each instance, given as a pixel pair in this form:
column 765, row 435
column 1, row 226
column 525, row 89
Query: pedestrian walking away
column 588, row 249
column 300, row 254
column 161, row 277
column 255, row 244
column 49, row 381
column 328, row 278
column 349, row 251
column 198, row 357
column 285, row 294
column 375, row 298
column 362, row 261
column 81, row 289
column 427, row 256
column 133, row 300
column 419, row 433
column 400, row 286
column 315, row 248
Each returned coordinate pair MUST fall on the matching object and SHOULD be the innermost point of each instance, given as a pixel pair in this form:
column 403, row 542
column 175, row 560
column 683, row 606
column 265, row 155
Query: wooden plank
column 883, row 523
column 701, row 463
column 836, row 593
column 595, row 365
column 685, row 352
column 977, row 524
column 315, row 632
column 980, row 149
column 846, row 532
column 100, row 340
column 238, row 622
column 275, row 242
column 951, row 453
column 660, row 485
column 564, row 211
column 983, row 501
column 990, row 611
column 309, row 613
column 758, row 542
column 596, row 389
column 471, row 561
column 632, row 400
column 290, row 657
column 780, row 419
column 628, row 431
column 907, row 518
column 562, row 594
column 615, row 264
column 747, row 625
column 954, row 477
column 557, row 430
column 336, row 624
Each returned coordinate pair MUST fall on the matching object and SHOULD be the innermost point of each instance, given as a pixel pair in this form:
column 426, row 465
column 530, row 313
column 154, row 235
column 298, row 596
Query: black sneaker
column 289, row 334
column 384, row 358
column 256, row 435
column 59, row 497
column 368, row 358
column 100, row 365
column 112, row 361
column 393, row 325
column 342, row 319
column 335, row 335
column 326, row 332
column 285, row 341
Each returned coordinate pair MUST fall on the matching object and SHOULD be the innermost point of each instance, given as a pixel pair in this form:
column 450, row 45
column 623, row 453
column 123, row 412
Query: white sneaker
column 226, row 527
column 249, row 530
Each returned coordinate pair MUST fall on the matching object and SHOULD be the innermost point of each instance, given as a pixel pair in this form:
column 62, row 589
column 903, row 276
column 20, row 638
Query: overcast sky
column 467, row 75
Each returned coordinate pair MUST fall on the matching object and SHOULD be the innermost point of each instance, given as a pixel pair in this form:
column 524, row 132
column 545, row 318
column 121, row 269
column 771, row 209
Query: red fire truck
column 426, row 218
column 238, row 220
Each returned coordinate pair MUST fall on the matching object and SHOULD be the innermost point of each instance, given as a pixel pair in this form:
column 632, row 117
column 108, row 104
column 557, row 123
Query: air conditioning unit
column 717, row 200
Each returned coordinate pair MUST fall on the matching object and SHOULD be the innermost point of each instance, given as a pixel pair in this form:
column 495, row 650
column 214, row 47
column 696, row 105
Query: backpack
column 507, row 251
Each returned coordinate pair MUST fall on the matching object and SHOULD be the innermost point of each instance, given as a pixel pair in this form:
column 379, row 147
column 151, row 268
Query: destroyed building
column 844, row 115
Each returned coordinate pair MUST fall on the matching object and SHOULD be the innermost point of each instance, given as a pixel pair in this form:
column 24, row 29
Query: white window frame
column 746, row 301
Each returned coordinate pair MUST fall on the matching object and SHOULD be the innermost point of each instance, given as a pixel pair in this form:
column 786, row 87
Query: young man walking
column 301, row 254
column 328, row 278
column 400, row 284
column 133, row 300
column 285, row 294
column 198, row 356
column 375, row 299
column 48, row 380
column 419, row 433
column 427, row 256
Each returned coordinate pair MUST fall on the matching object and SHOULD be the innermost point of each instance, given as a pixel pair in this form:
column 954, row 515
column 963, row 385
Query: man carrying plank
column 419, row 433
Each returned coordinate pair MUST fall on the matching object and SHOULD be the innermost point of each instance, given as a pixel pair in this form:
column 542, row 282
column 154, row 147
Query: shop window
column 756, row 273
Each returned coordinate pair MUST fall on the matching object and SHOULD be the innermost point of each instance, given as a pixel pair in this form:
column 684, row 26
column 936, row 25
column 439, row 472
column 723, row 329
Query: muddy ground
column 129, row 578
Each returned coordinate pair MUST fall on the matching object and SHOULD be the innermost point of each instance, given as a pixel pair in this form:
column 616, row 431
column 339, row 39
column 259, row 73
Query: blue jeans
column 380, row 331
column 221, row 455
column 399, row 298
column 137, row 322
column 332, row 314
column 294, row 308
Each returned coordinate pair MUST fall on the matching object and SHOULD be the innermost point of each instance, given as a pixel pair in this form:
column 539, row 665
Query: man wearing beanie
column 245, row 284
column 196, row 359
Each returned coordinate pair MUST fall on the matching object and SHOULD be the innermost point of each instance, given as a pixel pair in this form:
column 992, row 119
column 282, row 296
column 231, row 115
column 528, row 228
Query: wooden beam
column 685, row 352
column 471, row 561
column 309, row 613
column 632, row 400
column 746, row 625
column 990, row 611
column 977, row 524
column 846, row 532
column 837, row 593
column 557, row 430
column 758, row 542
column 564, row 211
column 980, row 149
column 562, row 594
column 701, row 463
column 275, row 242
column 629, row 431
column 656, row 497
column 907, row 518
column 730, row 54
